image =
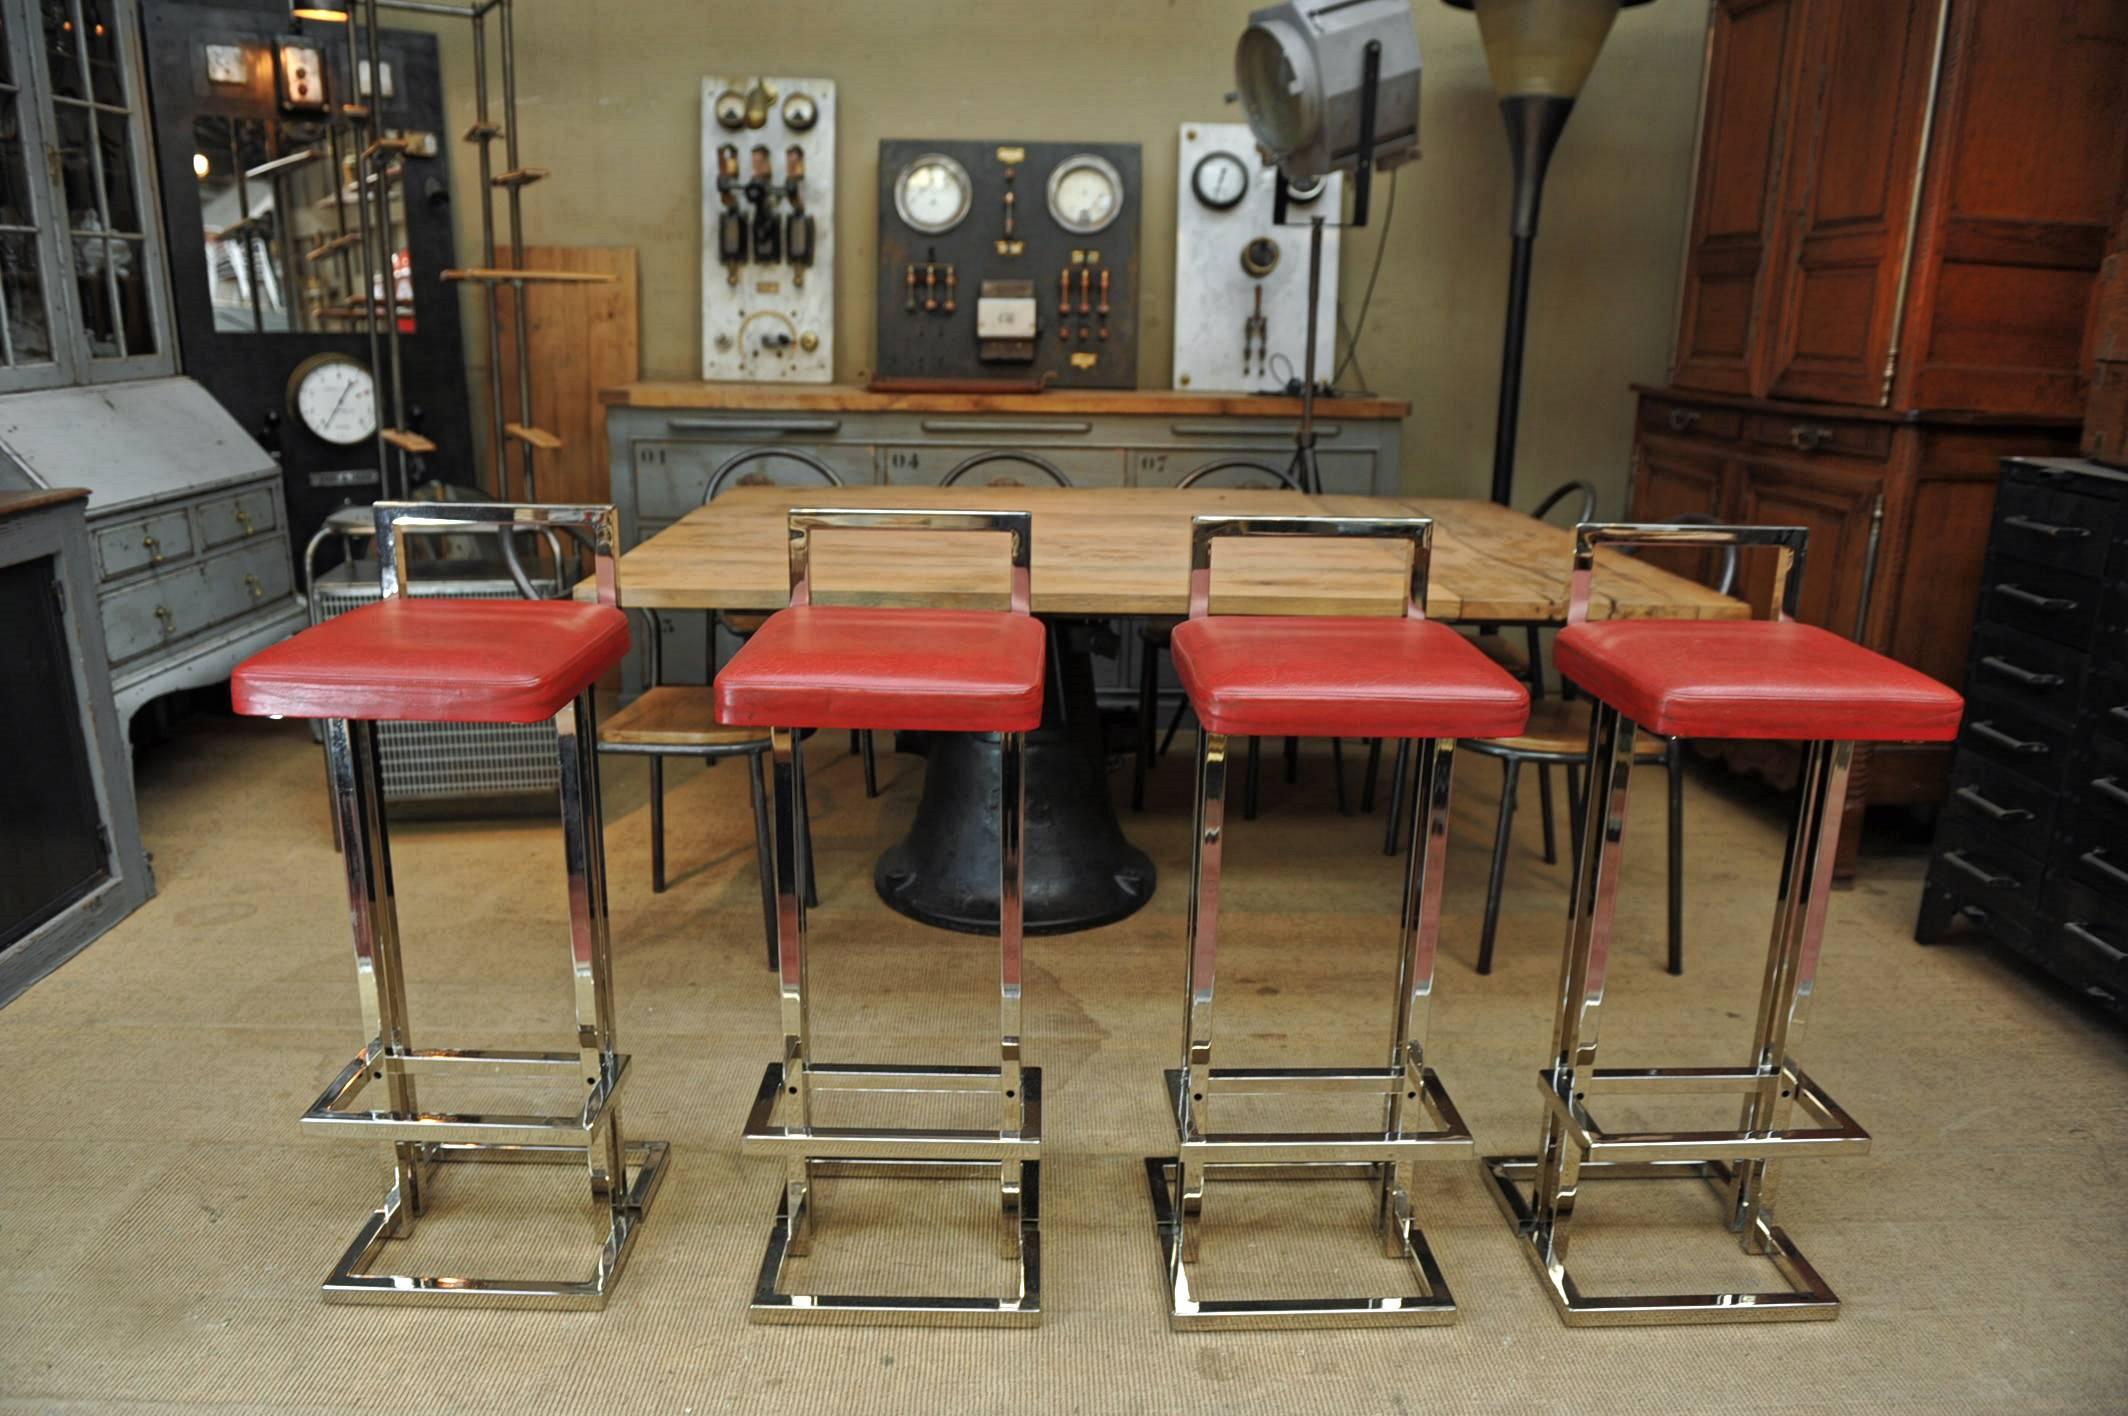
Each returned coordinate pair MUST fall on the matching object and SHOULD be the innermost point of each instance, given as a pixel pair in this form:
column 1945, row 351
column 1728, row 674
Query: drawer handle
column 243, row 519
column 1985, row 729
column 2083, row 932
column 153, row 547
column 989, row 425
column 1809, row 437
column 2110, row 787
column 2047, row 528
column 1993, row 811
column 1985, row 876
column 2096, row 859
column 2030, row 678
column 258, row 590
column 1282, row 431
column 753, row 425
column 2054, row 604
column 2118, row 710
column 1682, row 419
column 168, row 620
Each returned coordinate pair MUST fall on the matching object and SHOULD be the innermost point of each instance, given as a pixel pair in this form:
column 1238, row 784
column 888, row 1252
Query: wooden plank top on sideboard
column 845, row 398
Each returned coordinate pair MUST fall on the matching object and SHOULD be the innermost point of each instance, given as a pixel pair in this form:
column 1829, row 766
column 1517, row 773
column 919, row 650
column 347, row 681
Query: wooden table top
column 1125, row 551
column 846, row 398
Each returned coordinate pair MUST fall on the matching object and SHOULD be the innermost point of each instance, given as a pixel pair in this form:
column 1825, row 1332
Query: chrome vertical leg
column 590, row 941
column 1399, row 774
column 1418, row 930
column 1791, row 975
column 785, row 784
column 357, row 776
column 1012, row 817
column 1202, row 934
column 764, row 852
column 657, row 825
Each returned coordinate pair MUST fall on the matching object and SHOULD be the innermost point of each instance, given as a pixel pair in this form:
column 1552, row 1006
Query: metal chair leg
column 1251, row 775
column 1544, row 811
column 1674, row 769
column 1173, row 725
column 1292, row 760
column 805, row 829
column 1148, row 719
column 868, row 750
column 1337, row 774
column 764, row 855
column 1503, row 836
column 1202, row 945
column 657, row 825
column 1399, row 774
column 1012, row 825
column 1373, row 771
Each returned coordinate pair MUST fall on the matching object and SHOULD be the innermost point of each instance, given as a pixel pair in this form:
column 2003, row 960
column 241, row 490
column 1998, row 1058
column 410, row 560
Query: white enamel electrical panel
column 768, row 228
column 1241, row 283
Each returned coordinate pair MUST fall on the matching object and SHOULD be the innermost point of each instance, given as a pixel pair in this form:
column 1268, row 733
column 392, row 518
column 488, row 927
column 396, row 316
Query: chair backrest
column 1206, row 529
column 1726, row 580
column 1240, row 464
column 1561, row 492
column 595, row 526
column 803, row 521
column 1026, row 459
column 1789, row 543
column 720, row 479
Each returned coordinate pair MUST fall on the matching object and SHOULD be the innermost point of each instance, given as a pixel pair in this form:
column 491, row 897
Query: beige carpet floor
column 163, row 1226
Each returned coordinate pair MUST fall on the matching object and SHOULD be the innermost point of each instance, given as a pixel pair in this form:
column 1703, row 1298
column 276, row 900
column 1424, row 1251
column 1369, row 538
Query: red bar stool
column 467, row 661
column 1337, row 677
column 919, row 670
column 1707, row 679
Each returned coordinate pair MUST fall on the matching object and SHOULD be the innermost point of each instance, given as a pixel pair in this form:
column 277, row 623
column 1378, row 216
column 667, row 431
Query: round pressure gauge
column 1220, row 180
column 800, row 112
column 1307, row 190
column 1085, row 194
column 933, row 193
column 730, row 109
column 335, row 397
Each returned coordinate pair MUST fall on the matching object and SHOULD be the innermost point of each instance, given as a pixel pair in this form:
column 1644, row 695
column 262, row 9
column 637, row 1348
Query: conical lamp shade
column 1542, row 48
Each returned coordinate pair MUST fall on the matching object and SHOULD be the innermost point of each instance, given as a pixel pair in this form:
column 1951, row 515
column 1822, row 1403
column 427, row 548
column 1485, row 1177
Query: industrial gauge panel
column 768, row 229
column 1007, row 263
column 1241, row 281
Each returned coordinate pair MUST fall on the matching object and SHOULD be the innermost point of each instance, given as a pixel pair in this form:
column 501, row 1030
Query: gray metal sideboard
column 667, row 440
column 186, row 524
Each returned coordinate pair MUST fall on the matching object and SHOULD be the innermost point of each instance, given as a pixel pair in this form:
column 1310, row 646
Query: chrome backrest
column 803, row 521
column 595, row 526
column 1206, row 529
column 1787, row 542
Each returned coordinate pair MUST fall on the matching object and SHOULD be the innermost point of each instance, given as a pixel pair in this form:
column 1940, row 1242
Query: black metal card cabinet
column 2033, row 842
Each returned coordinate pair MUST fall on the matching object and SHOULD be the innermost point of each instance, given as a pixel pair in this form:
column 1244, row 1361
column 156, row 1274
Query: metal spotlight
column 325, row 10
column 1301, row 71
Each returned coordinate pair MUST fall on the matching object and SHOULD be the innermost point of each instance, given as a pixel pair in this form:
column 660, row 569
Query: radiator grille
column 442, row 761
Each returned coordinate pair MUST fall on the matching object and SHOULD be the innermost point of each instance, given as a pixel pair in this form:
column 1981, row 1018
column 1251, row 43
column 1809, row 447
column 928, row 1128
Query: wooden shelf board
column 538, row 437
column 520, row 177
column 551, row 277
column 407, row 441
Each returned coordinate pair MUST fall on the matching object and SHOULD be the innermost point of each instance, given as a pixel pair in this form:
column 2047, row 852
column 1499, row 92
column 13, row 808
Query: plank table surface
column 1126, row 551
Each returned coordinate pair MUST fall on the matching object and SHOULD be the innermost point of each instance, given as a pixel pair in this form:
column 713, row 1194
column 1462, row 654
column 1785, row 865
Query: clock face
column 336, row 398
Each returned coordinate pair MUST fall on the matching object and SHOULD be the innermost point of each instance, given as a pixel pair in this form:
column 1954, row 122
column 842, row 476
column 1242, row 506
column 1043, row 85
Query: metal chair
column 920, row 670
column 1024, row 459
column 1153, row 637
column 1404, row 677
column 409, row 658
column 743, row 623
column 1776, row 680
column 679, row 720
column 1558, row 732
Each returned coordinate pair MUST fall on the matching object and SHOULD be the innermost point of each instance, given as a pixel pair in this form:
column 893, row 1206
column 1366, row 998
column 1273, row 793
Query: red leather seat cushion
column 849, row 666
column 434, row 660
column 1754, row 679
column 1321, row 676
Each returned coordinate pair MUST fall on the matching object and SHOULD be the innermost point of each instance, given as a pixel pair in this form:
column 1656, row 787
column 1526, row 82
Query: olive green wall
column 610, row 96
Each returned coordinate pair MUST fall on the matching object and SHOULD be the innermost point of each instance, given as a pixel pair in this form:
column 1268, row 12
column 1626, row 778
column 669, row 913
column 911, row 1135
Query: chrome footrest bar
column 327, row 1115
column 764, row 1136
column 1808, row 1298
column 350, row 1283
column 1225, row 1148
column 1836, row 1134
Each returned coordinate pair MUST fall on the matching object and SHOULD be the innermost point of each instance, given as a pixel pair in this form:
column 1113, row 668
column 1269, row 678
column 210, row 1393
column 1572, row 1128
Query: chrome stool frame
column 624, row 1175
column 1407, row 1084
column 1742, row 1165
column 781, row 1122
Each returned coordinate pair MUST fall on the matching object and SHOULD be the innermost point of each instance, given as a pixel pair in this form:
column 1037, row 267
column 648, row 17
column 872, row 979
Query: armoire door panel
column 1675, row 479
column 1834, row 505
column 2028, row 166
column 1868, row 64
column 1752, row 66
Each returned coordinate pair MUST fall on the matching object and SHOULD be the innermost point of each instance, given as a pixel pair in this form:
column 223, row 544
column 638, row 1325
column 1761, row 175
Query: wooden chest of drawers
column 2033, row 842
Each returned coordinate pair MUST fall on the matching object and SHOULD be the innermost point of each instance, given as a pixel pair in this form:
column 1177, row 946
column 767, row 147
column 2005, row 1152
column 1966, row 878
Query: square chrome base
column 1807, row 1299
column 1186, row 1312
column 901, row 1153
column 348, row 1283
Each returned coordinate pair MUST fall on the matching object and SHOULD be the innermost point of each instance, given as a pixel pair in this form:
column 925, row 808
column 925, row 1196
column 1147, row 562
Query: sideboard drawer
column 1843, row 437
column 223, row 520
column 2040, row 600
column 671, row 475
column 192, row 598
column 2034, row 674
column 150, row 541
column 2038, row 522
column 1660, row 415
column 2014, row 809
column 926, row 462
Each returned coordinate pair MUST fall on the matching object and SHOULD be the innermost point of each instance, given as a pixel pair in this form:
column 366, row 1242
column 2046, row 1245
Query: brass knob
column 258, row 590
column 243, row 519
column 152, row 546
column 169, row 623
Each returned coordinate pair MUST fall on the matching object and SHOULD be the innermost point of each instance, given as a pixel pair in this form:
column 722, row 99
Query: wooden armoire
column 1899, row 210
